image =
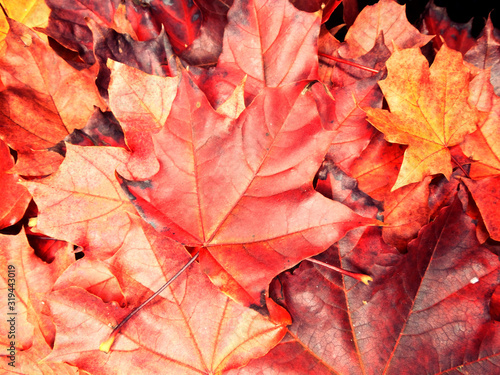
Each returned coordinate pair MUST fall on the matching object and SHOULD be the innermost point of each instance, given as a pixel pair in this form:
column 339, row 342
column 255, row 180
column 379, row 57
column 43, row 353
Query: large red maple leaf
column 235, row 191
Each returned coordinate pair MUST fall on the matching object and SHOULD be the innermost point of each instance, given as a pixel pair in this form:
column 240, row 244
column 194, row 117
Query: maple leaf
column 353, row 88
column 143, row 21
column 274, row 57
column 33, row 281
column 37, row 163
column 102, row 129
column 426, row 312
column 429, row 111
column 82, row 202
column 486, row 194
column 193, row 328
column 335, row 184
column 32, row 13
column 376, row 169
column 15, row 250
column 486, row 54
column 483, row 146
column 67, row 23
column 15, row 197
column 271, row 42
column 181, row 19
column 442, row 192
column 367, row 46
column 141, row 102
column 388, row 17
column 30, row 361
column 247, row 167
column 206, row 49
column 455, row 35
column 234, row 191
column 151, row 56
column 406, row 210
column 40, row 101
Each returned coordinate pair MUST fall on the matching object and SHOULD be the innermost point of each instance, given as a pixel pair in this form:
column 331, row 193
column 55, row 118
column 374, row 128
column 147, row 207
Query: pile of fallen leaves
column 135, row 135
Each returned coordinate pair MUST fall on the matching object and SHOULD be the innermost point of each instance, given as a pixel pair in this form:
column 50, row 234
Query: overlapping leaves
column 225, row 186
column 258, row 163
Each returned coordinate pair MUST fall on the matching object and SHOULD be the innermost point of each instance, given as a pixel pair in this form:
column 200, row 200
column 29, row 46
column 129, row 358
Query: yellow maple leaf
column 32, row 13
column 429, row 110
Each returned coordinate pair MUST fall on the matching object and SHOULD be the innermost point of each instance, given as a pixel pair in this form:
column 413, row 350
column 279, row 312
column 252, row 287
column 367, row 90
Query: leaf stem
column 348, row 62
column 106, row 345
column 4, row 10
column 365, row 279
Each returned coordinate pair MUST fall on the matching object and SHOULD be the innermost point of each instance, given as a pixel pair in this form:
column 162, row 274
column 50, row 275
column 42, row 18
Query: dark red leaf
column 442, row 192
column 181, row 19
column 102, row 130
column 153, row 56
column 327, row 7
column 353, row 88
column 486, row 54
column 455, row 35
column 427, row 311
column 204, row 52
column 67, row 23
column 142, row 21
column 406, row 210
column 486, row 194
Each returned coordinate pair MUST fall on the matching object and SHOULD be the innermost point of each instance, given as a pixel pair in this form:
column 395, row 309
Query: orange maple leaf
column 429, row 110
